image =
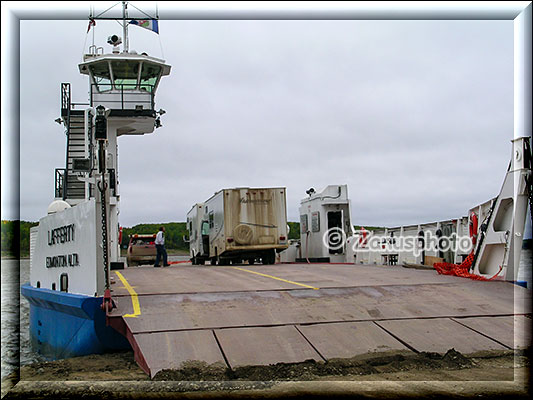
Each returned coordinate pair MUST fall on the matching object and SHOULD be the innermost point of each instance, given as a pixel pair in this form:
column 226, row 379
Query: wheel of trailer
column 269, row 257
column 194, row 261
column 251, row 261
column 213, row 261
column 201, row 261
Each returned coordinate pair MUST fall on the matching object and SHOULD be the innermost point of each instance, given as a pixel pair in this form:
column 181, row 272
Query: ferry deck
column 252, row 315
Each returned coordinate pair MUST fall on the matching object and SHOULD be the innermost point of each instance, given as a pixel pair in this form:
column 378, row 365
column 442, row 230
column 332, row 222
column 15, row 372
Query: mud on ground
column 96, row 367
column 494, row 365
column 373, row 366
column 496, row 374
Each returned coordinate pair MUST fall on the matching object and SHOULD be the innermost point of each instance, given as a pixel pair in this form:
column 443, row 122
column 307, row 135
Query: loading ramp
column 287, row 313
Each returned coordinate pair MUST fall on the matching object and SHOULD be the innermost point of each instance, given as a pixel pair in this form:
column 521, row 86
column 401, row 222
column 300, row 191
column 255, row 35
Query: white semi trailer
column 236, row 225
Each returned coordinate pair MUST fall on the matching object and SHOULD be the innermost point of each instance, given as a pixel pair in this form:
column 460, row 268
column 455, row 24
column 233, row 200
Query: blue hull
column 64, row 325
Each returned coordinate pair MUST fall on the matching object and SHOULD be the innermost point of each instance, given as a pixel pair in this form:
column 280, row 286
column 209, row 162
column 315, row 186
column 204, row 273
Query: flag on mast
column 92, row 22
column 150, row 24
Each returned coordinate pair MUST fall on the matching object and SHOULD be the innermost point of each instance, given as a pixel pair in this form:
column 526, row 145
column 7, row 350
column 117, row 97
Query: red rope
column 462, row 269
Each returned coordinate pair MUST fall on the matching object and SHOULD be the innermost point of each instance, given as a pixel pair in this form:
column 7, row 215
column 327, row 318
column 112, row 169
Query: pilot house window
column 125, row 74
column 149, row 75
column 101, row 75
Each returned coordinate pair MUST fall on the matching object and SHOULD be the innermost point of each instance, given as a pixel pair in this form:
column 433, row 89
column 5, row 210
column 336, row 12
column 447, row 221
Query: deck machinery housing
column 325, row 223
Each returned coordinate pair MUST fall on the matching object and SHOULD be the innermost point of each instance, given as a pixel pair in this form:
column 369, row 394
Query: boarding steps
column 68, row 185
column 76, row 149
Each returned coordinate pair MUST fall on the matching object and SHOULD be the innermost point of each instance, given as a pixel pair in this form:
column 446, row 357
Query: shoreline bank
column 494, row 373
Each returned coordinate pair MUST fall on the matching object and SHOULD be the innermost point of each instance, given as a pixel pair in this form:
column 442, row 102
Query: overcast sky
column 416, row 117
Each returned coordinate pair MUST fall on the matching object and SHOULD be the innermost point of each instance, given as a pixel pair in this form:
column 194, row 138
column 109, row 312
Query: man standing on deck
column 160, row 247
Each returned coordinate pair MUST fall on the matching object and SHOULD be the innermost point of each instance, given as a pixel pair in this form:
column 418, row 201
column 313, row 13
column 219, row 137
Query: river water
column 10, row 317
column 10, row 310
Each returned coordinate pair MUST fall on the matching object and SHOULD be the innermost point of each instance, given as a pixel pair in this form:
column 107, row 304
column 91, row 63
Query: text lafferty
column 62, row 234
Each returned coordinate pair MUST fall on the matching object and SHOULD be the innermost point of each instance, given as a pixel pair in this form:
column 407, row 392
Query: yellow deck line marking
column 275, row 277
column 133, row 295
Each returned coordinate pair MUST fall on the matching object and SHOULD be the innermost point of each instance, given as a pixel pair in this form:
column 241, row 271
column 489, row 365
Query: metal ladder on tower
column 74, row 120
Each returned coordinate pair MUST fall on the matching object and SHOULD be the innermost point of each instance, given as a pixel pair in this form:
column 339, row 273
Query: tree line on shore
column 16, row 235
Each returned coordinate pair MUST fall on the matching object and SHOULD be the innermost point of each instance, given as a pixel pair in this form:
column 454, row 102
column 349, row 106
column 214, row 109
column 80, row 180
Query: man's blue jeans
column 160, row 252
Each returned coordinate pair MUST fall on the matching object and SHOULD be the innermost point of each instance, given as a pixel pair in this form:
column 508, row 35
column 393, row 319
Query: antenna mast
column 90, row 19
column 125, row 25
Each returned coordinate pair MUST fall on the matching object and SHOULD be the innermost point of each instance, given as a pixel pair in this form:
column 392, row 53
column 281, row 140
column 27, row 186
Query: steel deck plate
column 265, row 346
column 170, row 350
column 350, row 339
column 513, row 332
column 439, row 335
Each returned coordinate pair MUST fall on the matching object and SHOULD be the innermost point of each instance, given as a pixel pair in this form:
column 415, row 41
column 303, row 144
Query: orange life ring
column 473, row 227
